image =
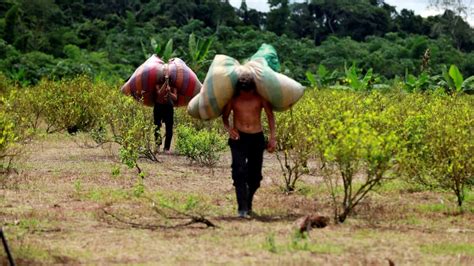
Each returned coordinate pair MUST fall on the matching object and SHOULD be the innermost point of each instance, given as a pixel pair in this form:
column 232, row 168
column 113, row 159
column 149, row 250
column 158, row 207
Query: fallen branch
column 179, row 216
column 194, row 218
column 151, row 227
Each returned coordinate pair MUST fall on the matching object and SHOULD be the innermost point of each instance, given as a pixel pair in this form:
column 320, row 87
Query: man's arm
column 271, row 123
column 233, row 133
column 173, row 93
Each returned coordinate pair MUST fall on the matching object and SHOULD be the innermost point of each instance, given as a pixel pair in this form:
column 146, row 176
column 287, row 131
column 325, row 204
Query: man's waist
column 243, row 133
column 248, row 129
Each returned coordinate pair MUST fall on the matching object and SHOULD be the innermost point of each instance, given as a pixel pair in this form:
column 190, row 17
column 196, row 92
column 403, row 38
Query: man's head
column 246, row 83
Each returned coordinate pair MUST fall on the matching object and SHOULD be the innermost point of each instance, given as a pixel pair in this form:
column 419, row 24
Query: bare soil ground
column 63, row 204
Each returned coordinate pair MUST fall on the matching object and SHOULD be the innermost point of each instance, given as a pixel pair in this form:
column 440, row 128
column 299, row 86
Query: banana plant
column 322, row 78
column 198, row 51
column 20, row 77
column 455, row 82
column 416, row 84
column 163, row 50
column 353, row 80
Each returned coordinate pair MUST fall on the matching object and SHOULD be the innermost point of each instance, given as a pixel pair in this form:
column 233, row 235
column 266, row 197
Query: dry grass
column 52, row 212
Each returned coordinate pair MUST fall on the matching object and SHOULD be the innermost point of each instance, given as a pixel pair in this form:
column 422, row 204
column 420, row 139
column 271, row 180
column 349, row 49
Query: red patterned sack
column 142, row 84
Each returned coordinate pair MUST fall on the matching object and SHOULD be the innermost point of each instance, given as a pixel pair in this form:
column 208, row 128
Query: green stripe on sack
column 210, row 87
column 233, row 79
column 229, row 64
column 212, row 96
column 273, row 87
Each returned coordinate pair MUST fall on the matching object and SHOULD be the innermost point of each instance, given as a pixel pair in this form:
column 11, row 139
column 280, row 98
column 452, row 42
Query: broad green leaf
column 322, row 71
column 153, row 43
column 410, row 79
column 468, row 84
column 168, row 52
column 367, row 77
column 353, row 78
column 145, row 52
column 423, row 79
column 192, row 45
column 204, row 51
column 311, row 78
column 456, row 75
column 447, row 78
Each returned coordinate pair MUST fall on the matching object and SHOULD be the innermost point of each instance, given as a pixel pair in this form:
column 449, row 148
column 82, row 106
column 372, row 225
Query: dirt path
column 53, row 212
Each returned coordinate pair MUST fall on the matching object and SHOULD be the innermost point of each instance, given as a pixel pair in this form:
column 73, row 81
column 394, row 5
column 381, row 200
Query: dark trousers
column 247, row 158
column 163, row 113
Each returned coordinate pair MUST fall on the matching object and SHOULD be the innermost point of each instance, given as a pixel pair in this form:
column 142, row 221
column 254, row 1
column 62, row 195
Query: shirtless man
column 246, row 140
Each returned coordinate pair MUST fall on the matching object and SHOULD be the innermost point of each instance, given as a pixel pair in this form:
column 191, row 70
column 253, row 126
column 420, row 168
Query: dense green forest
column 109, row 39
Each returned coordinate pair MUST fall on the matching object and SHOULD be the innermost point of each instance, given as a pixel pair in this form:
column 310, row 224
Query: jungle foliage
column 109, row 39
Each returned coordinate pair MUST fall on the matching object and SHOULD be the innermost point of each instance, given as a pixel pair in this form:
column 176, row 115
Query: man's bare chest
column 246, row 104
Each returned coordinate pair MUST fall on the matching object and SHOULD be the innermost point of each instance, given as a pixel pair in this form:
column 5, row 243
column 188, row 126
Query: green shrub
column 361, row 139
column 8, row 138
column 294, row 144
column 27, row 106
column 183, row 118
column 72, row 105
column 354, row 135
column 200, row 146
column 130, row 124
column 12, row 131
column 5, row 83
column 439, row 144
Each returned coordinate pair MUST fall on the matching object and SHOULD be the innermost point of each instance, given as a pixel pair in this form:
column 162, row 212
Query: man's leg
column 239, row 174
column 157, row 116
column 255, row 161
column 169, row 121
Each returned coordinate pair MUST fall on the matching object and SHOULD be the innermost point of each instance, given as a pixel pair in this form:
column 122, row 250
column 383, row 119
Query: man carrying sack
column 163, row 112
column 246, row 140
column 245, row 90
column 162, row 86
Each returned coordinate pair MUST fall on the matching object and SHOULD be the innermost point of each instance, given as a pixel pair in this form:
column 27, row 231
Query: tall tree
column 457, row 11
column 215, row 13
column 244, row 12
column 462, row 8
column 11, row 19
column 361, row 19
column 462, row 35
column 408, row 22
column 277, row 18
column 302, row 23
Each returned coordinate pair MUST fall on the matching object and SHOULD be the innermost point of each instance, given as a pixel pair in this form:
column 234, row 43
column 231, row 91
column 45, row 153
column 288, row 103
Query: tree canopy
column 57, row 38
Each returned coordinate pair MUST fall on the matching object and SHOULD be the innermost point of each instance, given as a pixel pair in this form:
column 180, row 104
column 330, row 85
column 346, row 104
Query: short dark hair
column 246, row 82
